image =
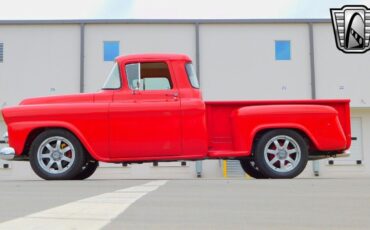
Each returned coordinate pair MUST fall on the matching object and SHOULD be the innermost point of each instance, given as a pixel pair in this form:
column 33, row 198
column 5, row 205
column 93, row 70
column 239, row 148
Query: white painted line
column 90, row 213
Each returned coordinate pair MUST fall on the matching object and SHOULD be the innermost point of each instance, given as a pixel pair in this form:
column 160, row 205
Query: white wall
column 238, row 62
column 38, row 58
column 2, row 126
column 134, row 39
column 340, row 75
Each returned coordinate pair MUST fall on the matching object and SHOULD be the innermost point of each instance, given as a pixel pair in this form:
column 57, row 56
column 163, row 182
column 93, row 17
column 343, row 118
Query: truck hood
column 72, row 98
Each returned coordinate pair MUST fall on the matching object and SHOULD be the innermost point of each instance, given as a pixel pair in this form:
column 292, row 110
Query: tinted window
column 148, row 76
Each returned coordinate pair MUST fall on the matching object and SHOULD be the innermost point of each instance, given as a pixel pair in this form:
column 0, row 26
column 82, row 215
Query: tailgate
column 343, row 108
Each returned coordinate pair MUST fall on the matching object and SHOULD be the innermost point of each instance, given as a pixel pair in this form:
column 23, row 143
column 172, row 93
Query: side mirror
column 139, row 85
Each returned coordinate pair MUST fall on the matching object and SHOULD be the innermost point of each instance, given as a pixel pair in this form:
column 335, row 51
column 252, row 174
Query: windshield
column 192, row 75
column 114, row 80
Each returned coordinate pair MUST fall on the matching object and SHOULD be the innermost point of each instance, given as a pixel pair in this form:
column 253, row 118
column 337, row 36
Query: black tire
column 87, row 170
column 283, row 159
column 71, row 168
column 250, row 168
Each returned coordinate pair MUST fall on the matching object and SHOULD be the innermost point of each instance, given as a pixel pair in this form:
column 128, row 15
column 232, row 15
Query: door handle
column 175, row 94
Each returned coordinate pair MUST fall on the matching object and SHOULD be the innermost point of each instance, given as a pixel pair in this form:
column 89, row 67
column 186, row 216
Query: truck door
column 148, row 125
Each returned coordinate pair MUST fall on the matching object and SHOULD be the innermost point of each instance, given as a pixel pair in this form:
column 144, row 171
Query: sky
column 169, row 9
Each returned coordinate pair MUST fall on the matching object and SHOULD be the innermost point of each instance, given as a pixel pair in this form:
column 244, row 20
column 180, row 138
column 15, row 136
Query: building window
column 282, row 50
column 1, row 52
column 111, row 50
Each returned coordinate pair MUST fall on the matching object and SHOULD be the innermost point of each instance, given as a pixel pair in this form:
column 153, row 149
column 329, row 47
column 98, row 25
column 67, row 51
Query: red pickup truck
column 151, row 109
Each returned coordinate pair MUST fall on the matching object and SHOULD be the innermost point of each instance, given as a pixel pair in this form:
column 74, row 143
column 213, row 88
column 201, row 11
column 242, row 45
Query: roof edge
column 161, row 21
column 152, row 56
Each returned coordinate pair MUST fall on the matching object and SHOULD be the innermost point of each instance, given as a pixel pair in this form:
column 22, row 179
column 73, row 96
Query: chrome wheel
column 56, row 155
column 282, row 153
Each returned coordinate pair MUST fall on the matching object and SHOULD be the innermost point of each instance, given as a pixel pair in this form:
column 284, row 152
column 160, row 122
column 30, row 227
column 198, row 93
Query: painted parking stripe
column 90, row 213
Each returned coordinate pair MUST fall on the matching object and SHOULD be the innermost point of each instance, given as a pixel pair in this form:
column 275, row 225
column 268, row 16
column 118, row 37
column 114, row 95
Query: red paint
column 118, row 125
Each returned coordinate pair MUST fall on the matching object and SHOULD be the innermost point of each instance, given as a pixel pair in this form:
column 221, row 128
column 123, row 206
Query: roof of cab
column 153, row 57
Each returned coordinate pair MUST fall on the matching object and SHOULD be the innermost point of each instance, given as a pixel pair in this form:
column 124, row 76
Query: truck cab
column 162, row 93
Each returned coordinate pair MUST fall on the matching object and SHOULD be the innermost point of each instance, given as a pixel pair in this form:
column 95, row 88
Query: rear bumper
column 7, row 153
column 345, row 153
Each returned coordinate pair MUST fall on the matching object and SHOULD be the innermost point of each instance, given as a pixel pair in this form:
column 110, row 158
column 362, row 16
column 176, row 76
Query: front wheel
column 57, row 154
column 281, row 153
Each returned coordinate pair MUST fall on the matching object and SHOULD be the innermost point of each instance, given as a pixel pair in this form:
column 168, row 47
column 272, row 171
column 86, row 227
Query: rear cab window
column 192, row 75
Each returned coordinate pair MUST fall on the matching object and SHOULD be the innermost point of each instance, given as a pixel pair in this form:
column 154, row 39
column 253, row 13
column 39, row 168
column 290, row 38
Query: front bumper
column 7, row 153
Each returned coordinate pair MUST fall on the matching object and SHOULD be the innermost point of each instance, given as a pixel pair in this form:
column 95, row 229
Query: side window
column 148, row 76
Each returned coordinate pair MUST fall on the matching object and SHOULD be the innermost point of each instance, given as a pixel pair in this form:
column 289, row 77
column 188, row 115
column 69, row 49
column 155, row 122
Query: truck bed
column 219, row 119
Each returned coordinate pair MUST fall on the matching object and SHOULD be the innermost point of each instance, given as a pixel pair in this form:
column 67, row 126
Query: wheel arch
column 37, row 130
column 303, row 133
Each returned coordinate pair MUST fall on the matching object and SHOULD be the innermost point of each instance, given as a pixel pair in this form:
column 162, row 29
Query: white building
column 235, row 59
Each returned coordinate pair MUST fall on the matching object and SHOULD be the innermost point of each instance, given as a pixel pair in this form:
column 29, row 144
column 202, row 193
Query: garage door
column 356, row 155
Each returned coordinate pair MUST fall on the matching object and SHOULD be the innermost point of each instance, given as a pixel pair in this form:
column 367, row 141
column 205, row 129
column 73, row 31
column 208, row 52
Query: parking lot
column 106, row 203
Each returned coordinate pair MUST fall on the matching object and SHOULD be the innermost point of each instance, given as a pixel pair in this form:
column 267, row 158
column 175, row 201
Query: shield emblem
column 351, row 26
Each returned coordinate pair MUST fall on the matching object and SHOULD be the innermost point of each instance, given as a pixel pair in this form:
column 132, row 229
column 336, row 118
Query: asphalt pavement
column 186, row 204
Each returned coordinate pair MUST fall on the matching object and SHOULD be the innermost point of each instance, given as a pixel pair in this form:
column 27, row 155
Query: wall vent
column 1, row 52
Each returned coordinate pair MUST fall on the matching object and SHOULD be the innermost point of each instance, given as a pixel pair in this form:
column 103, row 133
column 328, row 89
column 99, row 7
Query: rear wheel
column 250, row 168
column 57, row 154
column 281, row 153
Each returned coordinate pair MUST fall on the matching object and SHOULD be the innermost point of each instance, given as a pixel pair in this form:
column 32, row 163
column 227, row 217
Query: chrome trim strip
column 341, row 155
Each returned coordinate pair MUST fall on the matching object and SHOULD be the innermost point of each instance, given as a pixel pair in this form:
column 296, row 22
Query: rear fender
column 320, row 124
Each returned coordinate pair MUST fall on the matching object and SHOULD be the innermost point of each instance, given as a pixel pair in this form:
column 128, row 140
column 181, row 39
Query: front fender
column 19, row 132
column 320, row 123
column 87, row 121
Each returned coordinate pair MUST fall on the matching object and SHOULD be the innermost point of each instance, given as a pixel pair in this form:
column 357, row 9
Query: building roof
column 134, row 57
column 161, row 21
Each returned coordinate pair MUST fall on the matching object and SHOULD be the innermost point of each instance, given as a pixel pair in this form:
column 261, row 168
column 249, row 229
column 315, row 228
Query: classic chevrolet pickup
column 151, row 109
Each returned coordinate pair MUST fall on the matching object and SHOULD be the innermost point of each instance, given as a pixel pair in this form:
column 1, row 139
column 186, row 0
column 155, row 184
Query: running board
column 227, row 154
